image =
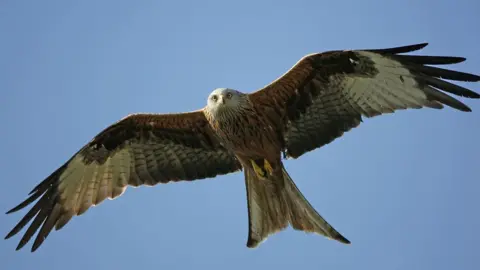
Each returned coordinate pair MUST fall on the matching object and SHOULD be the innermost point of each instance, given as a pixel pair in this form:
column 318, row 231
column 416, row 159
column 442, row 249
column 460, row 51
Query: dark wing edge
column 316, row 108
column 140, row 149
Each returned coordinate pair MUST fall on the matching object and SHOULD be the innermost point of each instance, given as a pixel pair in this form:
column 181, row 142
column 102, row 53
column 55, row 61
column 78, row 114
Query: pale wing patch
column 392, row 88
column 84, row 185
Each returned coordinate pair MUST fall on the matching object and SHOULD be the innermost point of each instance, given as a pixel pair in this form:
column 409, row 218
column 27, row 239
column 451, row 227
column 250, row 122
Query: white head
column 224, row 100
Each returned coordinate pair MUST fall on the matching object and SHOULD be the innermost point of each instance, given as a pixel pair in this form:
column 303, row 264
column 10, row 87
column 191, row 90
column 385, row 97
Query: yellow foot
column 267, row 167
column 259, row 171
column 263, row 171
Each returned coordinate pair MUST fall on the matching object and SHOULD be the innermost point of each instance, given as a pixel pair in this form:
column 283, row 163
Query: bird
column 319, row 99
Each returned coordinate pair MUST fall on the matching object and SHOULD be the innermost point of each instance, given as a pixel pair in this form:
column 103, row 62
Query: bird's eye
column 214, row 97
column 229, row 95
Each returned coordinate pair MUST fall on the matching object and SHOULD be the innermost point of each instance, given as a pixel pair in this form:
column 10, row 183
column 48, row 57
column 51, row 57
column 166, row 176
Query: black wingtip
column 8, row 235
column 461, row 107
column 400, row 49
column 26, row 202
column 417, row 46
column 35, row 246
column 444, row 60
column 474, row 95
column 20, row 245
column 14, row 209
column 342, row 239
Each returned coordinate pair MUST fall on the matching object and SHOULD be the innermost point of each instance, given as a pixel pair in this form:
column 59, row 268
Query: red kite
column 315, row 102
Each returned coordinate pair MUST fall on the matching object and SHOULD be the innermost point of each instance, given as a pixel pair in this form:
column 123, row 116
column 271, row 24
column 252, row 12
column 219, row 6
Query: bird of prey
column 320, row 98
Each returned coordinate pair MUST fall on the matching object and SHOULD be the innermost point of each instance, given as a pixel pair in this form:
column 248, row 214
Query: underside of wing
column 326, row 94
column 141, row 149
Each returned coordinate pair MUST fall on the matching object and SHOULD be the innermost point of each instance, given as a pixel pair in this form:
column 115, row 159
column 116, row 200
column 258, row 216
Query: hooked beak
column 222, row 100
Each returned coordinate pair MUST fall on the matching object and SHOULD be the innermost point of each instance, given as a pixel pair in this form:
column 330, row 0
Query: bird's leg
column 261, row 173
column 267, row 167
column 263, row 170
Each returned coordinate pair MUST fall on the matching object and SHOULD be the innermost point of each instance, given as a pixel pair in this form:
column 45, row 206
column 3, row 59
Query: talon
column 267, row 166
column 259, row 171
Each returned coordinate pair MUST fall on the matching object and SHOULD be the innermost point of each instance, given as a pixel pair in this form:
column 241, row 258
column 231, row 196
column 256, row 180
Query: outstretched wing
column 141, row 149
column 326, row 94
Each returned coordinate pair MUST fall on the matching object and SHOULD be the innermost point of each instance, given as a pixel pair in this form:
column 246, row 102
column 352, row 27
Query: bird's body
column 256, row 140
column 242, row 128
column 226, row 120
column 320, row 98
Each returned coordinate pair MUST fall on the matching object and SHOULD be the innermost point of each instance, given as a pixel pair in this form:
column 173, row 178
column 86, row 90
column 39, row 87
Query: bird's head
column 223, row 100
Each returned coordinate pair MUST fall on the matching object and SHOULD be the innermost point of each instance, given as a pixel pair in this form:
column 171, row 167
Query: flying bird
column 320, row 98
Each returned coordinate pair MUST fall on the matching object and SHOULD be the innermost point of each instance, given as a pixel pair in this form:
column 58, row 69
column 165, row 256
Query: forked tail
column 275, row 203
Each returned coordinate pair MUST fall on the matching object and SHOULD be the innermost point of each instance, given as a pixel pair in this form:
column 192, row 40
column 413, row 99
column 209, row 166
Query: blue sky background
column 403, row 188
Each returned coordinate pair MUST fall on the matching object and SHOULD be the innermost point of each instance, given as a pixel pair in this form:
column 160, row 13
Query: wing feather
column 326, row 94
column 141, row 149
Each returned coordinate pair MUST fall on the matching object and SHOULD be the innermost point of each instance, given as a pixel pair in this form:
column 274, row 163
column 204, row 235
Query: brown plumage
column 315, row 102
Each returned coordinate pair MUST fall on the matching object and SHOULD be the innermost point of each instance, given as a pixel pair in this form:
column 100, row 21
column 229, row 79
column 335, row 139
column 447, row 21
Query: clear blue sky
column 403, row 188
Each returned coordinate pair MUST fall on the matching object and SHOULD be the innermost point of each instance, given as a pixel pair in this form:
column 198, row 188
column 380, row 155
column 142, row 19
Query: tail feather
column 275, row 203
